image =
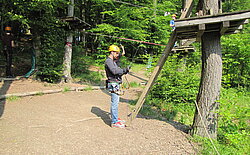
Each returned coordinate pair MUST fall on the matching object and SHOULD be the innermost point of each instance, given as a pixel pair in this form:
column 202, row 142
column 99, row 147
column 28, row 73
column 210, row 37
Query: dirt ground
column 78, row 123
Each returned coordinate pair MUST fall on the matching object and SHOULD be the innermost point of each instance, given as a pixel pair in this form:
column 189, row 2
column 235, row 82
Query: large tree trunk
column 210, row 85
column 67, row 61
column 68, row 50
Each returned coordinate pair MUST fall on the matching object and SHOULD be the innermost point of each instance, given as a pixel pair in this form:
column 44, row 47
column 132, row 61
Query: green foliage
column 80, row 68
column 134, row 84
column 235, row 5
column 13, row 98
column 234, row 129
column 175, row 90
column 89, row 88
column 66, row 89
column 90, row 77
column 50, row 62
column 236, row 59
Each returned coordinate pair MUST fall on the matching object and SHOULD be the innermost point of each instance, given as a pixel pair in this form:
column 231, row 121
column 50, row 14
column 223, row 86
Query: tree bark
column 208, row 7
column 67, row 61
column 210, row 85
column 209, row 91
column 68, row 50
column 71, row 9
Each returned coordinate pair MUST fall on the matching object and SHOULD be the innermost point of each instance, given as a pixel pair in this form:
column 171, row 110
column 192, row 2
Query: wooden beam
column 153, row 77
column 201, row 29
column 224, row 27
column 189, row 41
column 187, row 9
column 212, row 19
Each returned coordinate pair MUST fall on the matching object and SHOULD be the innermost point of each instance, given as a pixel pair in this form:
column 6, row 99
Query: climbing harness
column 114, row 87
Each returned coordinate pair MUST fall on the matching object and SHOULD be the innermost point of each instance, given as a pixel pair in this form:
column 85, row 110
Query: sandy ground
column 78, row 123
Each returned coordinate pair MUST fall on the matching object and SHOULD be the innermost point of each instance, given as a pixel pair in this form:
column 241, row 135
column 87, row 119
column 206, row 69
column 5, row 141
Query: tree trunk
column 71, row 9
column 210, row 85
column 209, row 92
column 68, row 50
column 67, row 61
column 36, row 46
column 208, row 7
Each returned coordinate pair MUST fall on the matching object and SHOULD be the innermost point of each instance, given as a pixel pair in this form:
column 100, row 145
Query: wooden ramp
column 152, row 78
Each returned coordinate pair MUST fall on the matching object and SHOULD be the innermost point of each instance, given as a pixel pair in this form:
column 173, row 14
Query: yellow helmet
column 7, row 28
column 114, row 48
column 173, row 15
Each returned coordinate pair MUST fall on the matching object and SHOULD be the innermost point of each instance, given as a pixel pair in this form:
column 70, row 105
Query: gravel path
column 77, row 123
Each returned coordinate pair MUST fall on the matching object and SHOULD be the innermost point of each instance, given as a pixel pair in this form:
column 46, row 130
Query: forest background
column 106, row 21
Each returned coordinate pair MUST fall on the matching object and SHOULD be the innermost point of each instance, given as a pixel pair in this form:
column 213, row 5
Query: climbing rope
column 91, row 33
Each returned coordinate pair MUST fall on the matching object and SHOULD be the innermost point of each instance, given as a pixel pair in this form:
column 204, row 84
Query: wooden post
column 153, row 77
column 225, row 25
column 186, row 11
column 201, row 29
column 68, row 50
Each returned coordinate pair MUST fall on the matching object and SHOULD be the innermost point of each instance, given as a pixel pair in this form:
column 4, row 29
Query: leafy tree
column 236, row 59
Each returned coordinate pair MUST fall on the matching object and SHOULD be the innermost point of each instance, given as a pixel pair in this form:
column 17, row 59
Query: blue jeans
column 114, row 107
column 113, row 88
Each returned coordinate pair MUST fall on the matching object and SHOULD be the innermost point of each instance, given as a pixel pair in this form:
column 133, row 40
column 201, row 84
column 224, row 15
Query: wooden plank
column 201, row 29
column 187, row 9
column 153, row 77
column 50, row 91
column 212, row 19
column 224, row 27
column 189, row 41
column 186, row 29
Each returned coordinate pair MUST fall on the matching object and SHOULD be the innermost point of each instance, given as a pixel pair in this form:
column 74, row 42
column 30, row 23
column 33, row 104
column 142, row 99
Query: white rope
column 206, row 128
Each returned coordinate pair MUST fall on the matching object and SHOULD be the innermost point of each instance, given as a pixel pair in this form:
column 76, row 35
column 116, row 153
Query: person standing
column 8, row 45
column 114, row 79
column 172, row 24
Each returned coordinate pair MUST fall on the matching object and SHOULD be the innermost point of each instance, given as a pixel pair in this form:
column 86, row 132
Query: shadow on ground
column 140, row 78
column 3, row 90
column 104, row 115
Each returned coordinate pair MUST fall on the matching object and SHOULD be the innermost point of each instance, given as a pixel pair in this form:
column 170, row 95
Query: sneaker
column 117, row 125
column 120, row 120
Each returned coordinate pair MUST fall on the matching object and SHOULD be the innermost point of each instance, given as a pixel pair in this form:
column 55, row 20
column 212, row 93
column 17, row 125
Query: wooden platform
column 183, row 49
column 226, row 23
column 76, row 22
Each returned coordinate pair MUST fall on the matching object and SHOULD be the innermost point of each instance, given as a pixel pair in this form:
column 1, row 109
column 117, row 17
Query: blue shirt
column 172, row 23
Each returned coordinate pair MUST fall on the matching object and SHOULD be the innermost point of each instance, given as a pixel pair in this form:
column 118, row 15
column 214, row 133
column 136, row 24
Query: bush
column 175, row 90
column 51, row 59
column 234, row 129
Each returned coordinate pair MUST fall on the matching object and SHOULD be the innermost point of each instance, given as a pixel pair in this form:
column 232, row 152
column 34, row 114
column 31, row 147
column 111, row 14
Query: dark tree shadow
column 156, row 115
column 132, row 74
column 3, row 90
column 105, row 116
